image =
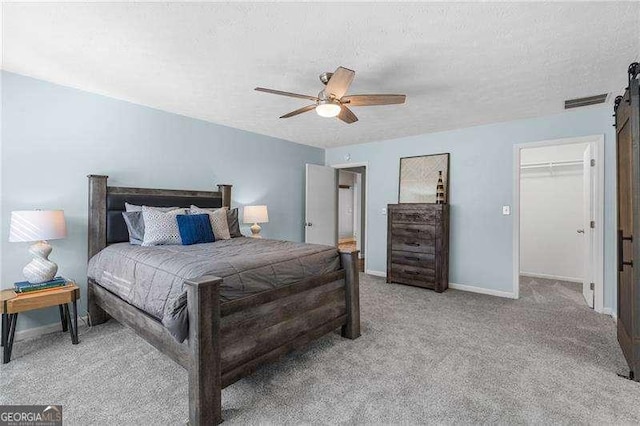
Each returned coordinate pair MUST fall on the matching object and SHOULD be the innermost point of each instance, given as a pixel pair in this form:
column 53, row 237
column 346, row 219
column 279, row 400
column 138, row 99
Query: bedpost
column 349, row 260
column 205, row 374
column 97, row 213
column 226, row 195
column 97, row 238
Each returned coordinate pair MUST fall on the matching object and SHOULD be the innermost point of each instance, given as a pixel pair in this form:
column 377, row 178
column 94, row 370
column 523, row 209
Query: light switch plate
column 384, row 211
column 506, row 210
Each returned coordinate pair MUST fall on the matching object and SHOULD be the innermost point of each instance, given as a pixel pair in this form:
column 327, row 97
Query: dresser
column 418, row 245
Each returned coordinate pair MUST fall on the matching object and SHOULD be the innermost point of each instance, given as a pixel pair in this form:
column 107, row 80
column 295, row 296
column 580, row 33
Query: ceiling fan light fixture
column 328, row 109
column 333, row 101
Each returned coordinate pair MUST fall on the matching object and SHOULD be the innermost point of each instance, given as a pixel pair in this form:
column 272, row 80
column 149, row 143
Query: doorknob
column 580, row 231
column 308, row 224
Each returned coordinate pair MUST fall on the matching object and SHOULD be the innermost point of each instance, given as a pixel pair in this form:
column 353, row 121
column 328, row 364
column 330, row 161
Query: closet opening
column 559, row 209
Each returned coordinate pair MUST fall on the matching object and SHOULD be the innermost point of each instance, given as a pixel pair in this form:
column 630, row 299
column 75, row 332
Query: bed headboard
column 106, row 204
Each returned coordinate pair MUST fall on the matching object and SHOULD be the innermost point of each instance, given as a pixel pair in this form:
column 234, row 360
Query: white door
column 587, row 231
column 321, row 205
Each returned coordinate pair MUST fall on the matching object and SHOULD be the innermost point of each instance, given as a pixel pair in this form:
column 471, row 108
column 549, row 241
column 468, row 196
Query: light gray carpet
column 423, row 358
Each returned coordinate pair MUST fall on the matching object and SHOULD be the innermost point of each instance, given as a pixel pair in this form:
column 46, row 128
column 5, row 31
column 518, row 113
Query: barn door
column 628, row 170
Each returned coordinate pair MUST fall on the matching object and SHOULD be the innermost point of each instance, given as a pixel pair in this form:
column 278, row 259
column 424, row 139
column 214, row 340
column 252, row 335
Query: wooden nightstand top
column 13, row 303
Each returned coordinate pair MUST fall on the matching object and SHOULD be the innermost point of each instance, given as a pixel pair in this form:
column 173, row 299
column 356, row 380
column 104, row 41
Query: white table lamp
column 255, row 215
column 40, row 226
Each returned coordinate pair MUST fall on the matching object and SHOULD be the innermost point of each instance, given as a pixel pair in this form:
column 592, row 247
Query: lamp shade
column 37, row 225
column 255, row 214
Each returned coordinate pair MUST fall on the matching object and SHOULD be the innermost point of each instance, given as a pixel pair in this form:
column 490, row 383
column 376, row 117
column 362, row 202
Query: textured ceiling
column 459, row 64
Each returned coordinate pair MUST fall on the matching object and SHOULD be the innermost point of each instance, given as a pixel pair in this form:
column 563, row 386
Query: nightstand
column 12, row 303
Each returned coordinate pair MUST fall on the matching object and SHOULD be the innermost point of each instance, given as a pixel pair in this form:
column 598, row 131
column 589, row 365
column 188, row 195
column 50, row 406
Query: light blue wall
column 481, row 182
column 53, row 136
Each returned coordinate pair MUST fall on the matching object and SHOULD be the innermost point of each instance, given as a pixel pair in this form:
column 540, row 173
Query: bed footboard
column 234, row 338
column 228, row 341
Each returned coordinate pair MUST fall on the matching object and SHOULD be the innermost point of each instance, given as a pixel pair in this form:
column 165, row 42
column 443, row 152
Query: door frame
column 364, row 164
column 357, row 202
column 597, row 146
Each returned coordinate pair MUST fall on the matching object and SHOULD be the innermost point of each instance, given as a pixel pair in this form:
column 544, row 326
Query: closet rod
column 551, row 164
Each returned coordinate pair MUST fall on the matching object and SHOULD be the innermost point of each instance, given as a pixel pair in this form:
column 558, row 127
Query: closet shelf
column 551, row 164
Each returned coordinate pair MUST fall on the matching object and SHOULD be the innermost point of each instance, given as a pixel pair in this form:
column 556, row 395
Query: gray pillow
column 218, row 219
column 234, row 224
column 232, row 220
column 135, row 226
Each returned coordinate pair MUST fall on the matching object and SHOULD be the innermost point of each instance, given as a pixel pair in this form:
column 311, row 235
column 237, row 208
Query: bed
column 255, row 309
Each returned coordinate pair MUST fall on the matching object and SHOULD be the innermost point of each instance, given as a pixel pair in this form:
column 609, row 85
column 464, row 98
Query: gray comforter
column 152, row 278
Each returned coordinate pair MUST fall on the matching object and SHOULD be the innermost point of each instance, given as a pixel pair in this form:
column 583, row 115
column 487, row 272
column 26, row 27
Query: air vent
column 590, row 100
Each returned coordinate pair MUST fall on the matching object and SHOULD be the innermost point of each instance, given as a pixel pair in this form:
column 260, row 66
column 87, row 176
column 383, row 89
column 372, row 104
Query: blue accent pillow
column 195, row 229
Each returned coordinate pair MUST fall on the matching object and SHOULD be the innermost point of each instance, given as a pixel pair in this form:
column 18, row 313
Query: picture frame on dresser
column 418, row 178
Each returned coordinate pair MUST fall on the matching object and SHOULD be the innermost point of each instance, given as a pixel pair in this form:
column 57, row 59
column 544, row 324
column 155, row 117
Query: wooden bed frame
column 227, row 340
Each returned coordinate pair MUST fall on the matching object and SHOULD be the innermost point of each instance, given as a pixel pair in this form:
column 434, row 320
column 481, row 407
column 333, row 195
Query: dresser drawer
column 421, row 260
column 412, row 244
column 406, row 274
column 411, row 230
column 413, row 215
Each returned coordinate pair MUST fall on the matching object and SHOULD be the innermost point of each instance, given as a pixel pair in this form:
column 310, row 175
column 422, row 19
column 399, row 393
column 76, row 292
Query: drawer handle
column 410, row 215
column 412, row 272
column 415, row 231
column 412, row 258
column 413, row 244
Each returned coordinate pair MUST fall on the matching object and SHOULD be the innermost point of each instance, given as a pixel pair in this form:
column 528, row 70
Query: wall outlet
column 506, row 210
column 384, row 211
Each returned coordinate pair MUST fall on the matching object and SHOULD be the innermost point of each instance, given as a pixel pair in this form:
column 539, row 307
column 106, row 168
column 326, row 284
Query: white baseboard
column 376, row 273
column 551, row 277
column 34, row 332
column 462, row 287
column 610, row 312
column 481, row 290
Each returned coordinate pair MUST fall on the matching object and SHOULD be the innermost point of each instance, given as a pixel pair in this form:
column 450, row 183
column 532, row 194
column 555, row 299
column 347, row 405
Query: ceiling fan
column 332, row 102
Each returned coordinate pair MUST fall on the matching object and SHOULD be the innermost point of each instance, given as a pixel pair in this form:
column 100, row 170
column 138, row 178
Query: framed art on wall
column 419, row 179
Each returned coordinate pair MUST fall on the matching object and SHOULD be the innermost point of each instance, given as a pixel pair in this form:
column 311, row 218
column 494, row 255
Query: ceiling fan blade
column 347, row 115
column 291, row 95
column 339, row 82
column 299, row 111
column 368, row 100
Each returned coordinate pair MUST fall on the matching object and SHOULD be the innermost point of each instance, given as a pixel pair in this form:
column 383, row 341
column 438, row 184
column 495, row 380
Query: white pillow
column 160, row 228
column 218, row 219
